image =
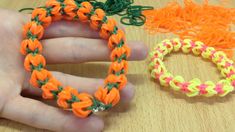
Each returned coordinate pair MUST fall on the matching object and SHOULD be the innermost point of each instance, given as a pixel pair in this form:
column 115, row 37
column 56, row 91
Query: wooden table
column 154, row 108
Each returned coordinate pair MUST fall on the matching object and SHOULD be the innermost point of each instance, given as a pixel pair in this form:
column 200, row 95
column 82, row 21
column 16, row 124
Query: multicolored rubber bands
column 82, row 104
column 190, row 19
column 193, row 87
column 130, row 14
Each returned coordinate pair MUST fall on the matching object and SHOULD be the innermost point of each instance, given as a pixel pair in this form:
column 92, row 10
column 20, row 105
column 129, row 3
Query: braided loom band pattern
column 82, row 104
column 194, row 87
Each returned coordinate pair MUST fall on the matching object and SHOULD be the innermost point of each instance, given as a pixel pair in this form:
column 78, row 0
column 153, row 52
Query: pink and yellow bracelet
column 194, row 87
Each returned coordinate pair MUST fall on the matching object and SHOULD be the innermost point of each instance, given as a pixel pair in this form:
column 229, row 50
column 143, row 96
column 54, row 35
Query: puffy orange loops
column 50, row 89
column 108, row 28
column 80, row 108
column 97, row 19
column 33, row 30
column 120, row 68
column 84, row 11
column 108, row 97
column 116, row 81
column 39, row 78
column 34, row 61
column 56, row 9
column 116, row 39
column 69, row 9
column 40, row 15
column 30, row 46
column 123, row 53
column 65, row 95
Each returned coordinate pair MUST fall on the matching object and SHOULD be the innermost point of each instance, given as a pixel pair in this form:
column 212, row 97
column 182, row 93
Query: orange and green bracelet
column 68, row 98
column 194, row 87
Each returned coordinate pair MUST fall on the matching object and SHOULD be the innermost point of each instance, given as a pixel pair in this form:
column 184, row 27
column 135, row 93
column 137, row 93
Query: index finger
column 65, row 28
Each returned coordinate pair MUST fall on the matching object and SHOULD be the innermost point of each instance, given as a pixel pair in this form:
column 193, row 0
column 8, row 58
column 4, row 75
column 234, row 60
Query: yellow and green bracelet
column 194, row 87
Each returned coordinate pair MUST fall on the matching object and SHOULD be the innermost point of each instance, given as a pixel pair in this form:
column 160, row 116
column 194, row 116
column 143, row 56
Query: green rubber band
column 74, row 99
column 26, row 9
column 41, row 83
column 55, row 93
column 97, row 106
column 133, row 20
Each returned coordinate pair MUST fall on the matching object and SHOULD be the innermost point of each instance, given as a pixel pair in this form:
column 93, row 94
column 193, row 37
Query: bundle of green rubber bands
column 130, row 14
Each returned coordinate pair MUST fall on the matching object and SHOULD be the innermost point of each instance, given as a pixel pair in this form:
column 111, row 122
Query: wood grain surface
column 154, row 108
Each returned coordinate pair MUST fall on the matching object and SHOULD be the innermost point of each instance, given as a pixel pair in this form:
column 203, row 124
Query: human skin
column 63, row 42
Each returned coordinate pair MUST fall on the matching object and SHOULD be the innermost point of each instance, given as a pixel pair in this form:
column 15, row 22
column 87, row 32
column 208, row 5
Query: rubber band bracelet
column 68, row 98
column 194, row 87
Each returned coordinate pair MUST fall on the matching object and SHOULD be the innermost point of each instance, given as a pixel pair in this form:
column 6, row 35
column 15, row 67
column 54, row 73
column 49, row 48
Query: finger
column 40, row 115
column 71, row 29
column 76, row 50
column 82, row 84
column 65, row 28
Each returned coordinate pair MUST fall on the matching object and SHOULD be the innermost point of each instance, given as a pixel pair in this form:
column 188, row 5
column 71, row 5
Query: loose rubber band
column 26, row 9
column 194, row 87
column 134, row 16
column 133, row 20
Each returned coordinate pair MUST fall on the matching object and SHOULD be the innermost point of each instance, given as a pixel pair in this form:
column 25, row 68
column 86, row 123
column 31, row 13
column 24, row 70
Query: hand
column 64, row 42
